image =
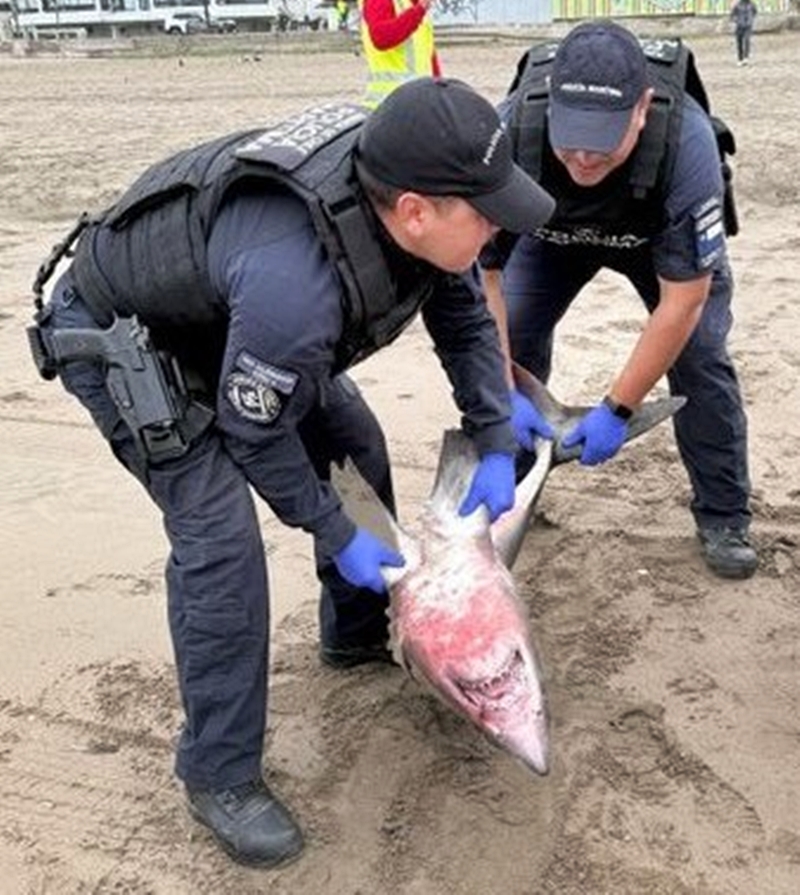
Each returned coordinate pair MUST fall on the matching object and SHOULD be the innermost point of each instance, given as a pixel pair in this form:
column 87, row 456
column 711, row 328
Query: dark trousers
column 216, row 574
column 540, row 282
column 743, row 43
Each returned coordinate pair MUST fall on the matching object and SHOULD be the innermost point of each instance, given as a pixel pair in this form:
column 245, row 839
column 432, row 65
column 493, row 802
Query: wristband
column 619, row 410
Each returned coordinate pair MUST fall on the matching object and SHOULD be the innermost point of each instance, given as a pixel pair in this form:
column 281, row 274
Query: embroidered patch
column 590, row 236
column 291, row 142
column 709, row 232
column 283, row 381
column 253, row 399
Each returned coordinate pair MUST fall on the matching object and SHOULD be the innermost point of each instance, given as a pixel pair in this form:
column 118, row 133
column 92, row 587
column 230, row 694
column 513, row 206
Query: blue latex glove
column 527, row 421
column 492, row 485
column 602, row 434
column 359, row 561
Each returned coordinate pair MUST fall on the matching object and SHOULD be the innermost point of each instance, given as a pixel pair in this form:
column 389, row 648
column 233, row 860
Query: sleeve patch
column 258, row 390
column 252, row 399
column 709, row 232
column 283, row 381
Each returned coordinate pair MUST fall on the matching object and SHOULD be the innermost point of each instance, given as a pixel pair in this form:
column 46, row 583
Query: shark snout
column 533, row 750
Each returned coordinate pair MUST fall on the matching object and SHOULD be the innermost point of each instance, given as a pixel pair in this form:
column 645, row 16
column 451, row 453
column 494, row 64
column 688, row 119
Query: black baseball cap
column 599, row 74
column 438, row 137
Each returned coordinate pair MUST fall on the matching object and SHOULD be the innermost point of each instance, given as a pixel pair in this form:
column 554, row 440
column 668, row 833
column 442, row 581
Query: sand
column 674, row 694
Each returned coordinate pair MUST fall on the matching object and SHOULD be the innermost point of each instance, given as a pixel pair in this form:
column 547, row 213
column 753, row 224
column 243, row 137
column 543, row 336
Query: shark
column 457, row 624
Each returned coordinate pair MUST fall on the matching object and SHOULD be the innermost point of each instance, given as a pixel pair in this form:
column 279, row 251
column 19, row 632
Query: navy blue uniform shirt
column 285, row 302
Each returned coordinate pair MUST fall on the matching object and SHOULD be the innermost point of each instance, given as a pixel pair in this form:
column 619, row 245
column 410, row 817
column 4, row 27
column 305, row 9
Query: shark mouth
column 496, row 691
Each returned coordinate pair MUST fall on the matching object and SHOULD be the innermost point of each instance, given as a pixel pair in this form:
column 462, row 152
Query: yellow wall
column 586, row 9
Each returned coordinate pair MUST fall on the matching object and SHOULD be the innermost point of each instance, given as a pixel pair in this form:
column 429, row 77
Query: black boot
column 249, row 822
column 727, row 551
column 342, row 656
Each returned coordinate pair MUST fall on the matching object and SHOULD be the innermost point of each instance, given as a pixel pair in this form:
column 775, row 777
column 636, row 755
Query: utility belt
column 147, row 385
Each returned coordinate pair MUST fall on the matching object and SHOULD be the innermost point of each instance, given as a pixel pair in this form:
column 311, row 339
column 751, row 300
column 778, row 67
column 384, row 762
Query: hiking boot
column 343, row 657
column 249, row 822
column 727, row 551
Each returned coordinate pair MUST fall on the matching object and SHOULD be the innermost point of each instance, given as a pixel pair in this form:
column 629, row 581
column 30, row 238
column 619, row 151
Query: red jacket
column 388, row 29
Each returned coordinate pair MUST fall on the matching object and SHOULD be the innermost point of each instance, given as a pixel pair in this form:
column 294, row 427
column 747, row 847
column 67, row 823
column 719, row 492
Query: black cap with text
column 438, row 137
column 599, row 75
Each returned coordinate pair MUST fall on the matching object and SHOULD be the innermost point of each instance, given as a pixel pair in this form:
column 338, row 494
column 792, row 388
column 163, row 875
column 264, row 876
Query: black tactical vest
column 147, row 254
column 629, row 206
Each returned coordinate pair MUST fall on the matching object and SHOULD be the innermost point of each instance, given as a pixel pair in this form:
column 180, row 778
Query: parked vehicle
column 221, row 26
column 185, row 23
column 195, row 23
column 300, row 15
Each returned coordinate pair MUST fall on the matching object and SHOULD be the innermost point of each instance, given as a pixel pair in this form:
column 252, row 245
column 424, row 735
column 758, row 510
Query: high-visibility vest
column 390, row 68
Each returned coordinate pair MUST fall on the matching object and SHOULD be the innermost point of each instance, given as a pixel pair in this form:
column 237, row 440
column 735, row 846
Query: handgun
column 147, row 386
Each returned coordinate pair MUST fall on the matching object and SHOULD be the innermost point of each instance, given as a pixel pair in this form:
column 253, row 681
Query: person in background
column 264, row 264
column 342, row 14
column 743, row 15
column 398, row 42
column 642, row 195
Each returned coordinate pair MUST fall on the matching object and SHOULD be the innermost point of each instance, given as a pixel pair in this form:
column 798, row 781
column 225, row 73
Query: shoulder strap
column 357, row 257
column 667, row 62
column 694, row 84
column 674, row 73
column 325, row 180
column 529, row 118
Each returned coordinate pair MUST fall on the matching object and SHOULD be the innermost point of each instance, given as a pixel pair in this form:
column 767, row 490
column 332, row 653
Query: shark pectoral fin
column 560, row 417
column 363, row 505
column 563, row 418
column 458, row 461
column 650, row 414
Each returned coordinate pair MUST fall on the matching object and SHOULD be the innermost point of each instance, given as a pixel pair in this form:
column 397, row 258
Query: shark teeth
column 496, row 688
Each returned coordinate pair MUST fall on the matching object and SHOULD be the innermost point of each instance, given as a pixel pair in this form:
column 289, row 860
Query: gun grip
column 44, row 360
